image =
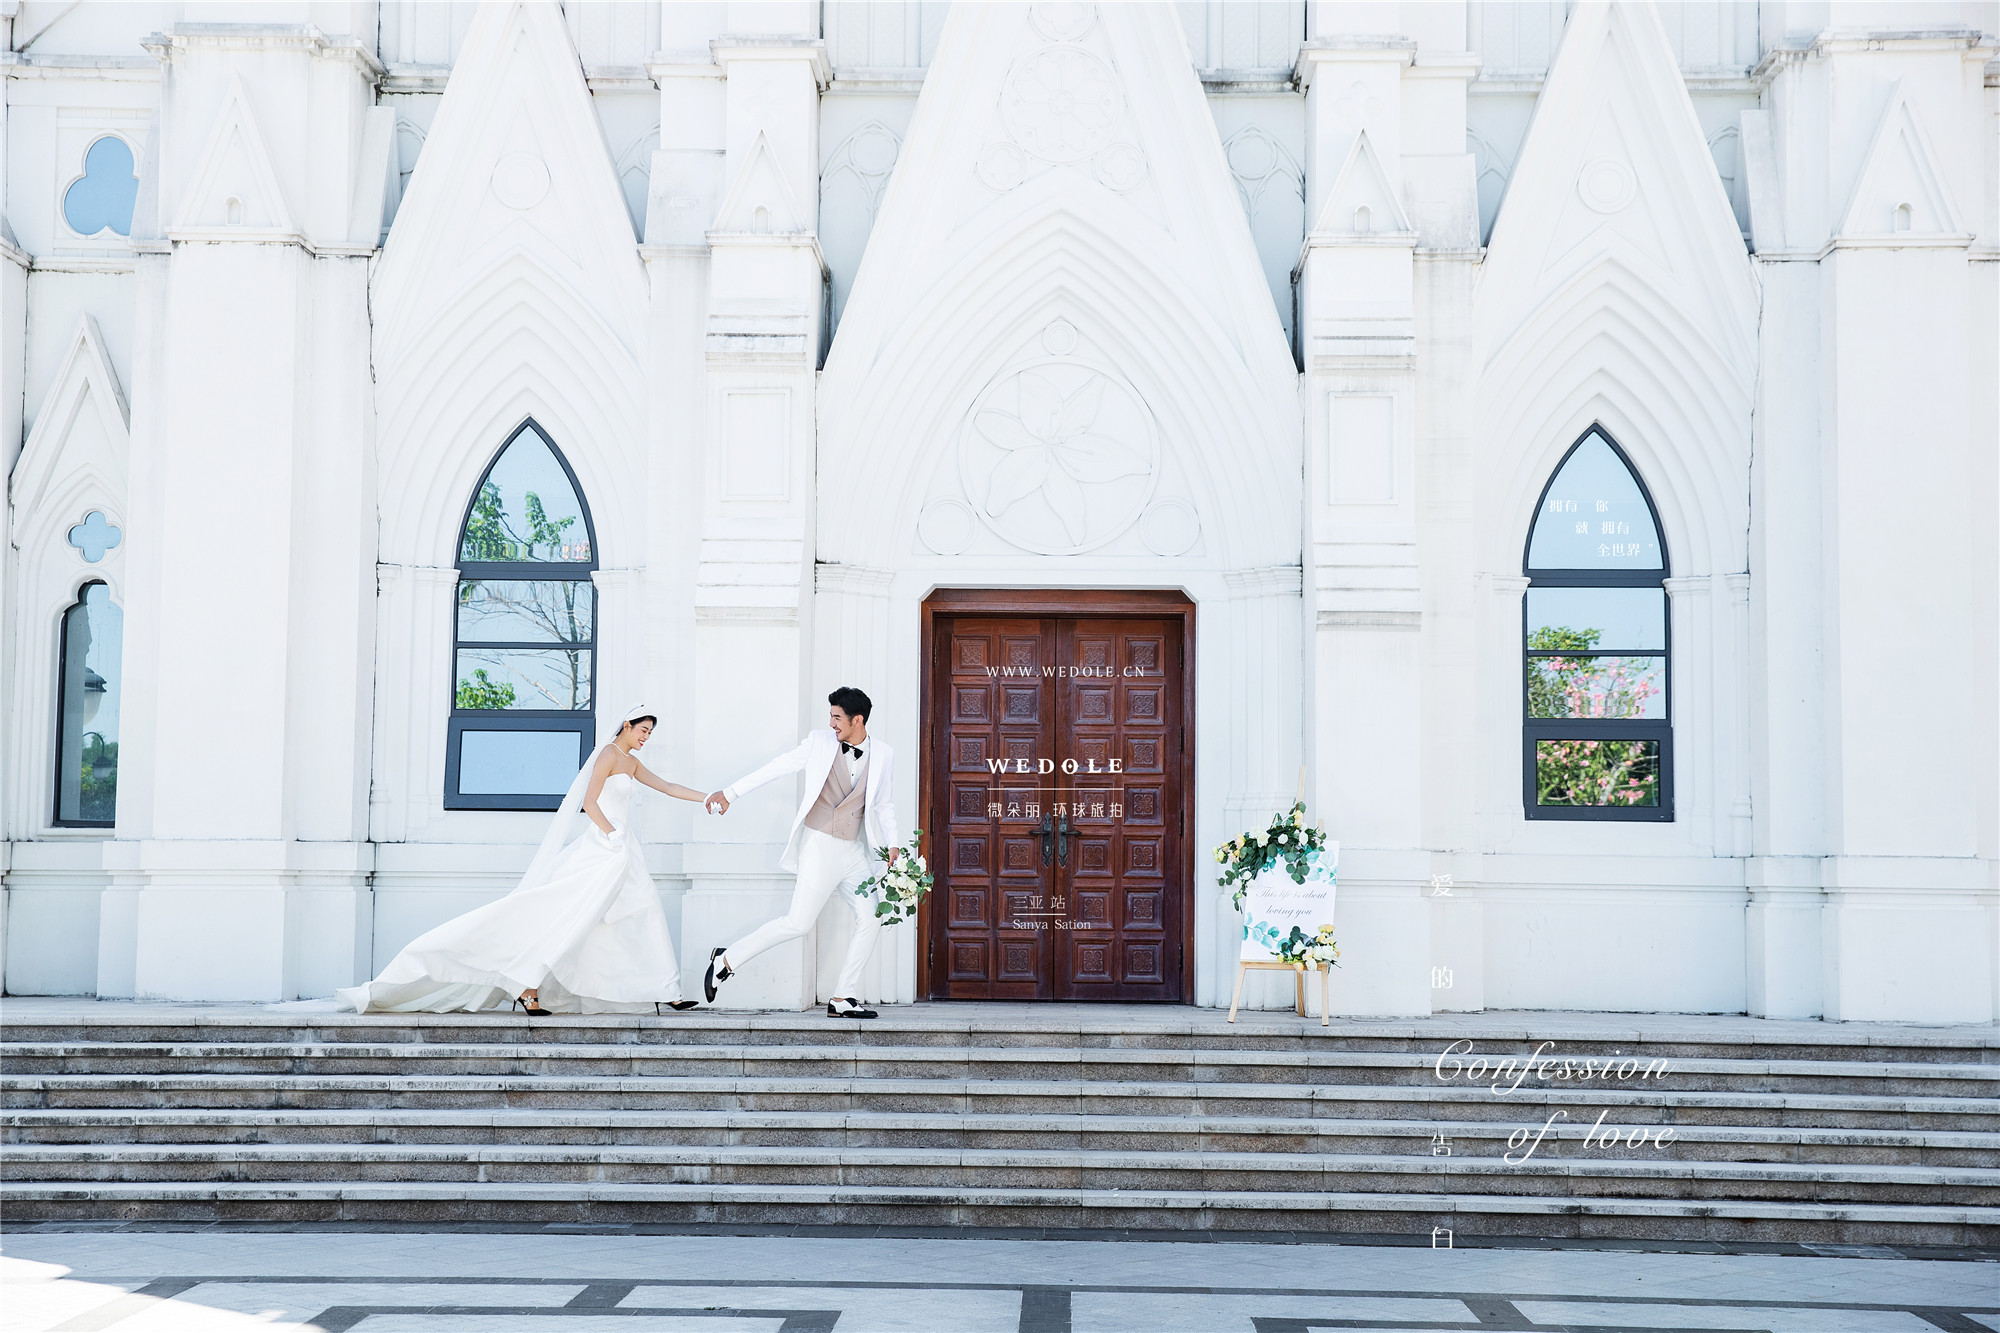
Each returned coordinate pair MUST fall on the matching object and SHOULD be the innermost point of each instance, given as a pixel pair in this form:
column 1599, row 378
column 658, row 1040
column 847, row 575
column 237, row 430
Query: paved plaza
column 221, row 1280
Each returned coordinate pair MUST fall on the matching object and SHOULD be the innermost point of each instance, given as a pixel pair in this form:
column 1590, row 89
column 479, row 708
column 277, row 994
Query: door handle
column 1062, row 839
column 1046, row 832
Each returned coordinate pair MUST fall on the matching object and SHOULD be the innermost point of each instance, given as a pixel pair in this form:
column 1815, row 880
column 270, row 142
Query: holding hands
column 716, row 804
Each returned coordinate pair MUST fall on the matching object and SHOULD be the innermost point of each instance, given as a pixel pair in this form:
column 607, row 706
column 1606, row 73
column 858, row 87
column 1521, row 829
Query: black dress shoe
column 839, row 1008
column 712, row 977
column 677, row 1004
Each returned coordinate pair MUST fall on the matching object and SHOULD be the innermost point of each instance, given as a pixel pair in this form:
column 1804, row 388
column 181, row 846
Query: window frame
column 76, row 602
column 1658, row 729
column 583, row 722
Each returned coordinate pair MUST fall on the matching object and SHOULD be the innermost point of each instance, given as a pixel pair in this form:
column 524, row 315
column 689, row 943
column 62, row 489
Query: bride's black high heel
column 676, row 1004
column 521, row 1003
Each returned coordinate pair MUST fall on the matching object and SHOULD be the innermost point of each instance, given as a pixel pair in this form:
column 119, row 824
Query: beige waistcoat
column 837, row 812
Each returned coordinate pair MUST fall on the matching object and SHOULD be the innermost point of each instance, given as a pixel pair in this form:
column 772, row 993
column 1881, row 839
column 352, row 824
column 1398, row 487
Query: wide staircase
column 1007, row 1116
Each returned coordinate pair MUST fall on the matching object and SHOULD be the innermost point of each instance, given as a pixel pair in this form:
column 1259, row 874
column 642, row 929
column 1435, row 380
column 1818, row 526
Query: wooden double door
column 1056, row 796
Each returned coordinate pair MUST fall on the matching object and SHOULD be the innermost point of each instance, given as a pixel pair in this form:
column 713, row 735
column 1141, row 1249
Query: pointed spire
column 234, row 185
column 1127, row 150
column 83, row 425
column 514, row 164
column 1900, row 188
column 1362, row 202
column 760, row 201
column 1061, row 226
column 1615, row 170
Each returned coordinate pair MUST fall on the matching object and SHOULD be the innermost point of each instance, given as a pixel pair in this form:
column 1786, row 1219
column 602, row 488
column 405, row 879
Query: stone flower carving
column 1061, row 104
column 1050, row 448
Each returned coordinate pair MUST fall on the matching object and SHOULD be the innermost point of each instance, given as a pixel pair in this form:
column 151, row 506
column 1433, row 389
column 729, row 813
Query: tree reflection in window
column 1597, row 742
column 524, row 649
column 93, row 633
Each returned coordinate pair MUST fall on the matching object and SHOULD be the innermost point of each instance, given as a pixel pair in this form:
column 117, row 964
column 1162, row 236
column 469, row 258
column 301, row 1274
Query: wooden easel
column 1299, row 971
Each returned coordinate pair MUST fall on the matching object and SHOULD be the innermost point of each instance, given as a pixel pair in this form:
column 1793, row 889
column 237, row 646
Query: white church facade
column 1559, row 440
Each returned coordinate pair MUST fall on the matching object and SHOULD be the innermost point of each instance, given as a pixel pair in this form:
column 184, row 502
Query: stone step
column 1117, row 1065
column 976, row 1168
column 931, row 1025
column 1719, row 1143
column 1035, row 1097
column 1415, row 1214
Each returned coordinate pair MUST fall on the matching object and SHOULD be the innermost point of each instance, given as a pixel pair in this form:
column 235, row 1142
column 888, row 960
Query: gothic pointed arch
column 532, row 350
column 68, row 495
column 509, row 289
column 524, row 631
column 81, row 430
column 1596, row 729
column 1618, row 287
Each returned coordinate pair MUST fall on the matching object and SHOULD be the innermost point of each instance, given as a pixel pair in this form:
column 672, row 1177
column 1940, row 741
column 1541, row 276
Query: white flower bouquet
column 902, row 884
column 1289, row 840
column 1300, row 947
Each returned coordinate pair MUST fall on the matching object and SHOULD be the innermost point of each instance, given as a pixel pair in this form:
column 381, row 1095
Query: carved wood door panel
column 1056, row 796
column 1117, row 718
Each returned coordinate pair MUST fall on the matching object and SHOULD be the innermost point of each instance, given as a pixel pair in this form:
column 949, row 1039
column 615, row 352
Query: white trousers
column 826, row 865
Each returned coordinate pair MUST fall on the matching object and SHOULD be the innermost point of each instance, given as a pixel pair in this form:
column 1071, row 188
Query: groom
column 849, row 804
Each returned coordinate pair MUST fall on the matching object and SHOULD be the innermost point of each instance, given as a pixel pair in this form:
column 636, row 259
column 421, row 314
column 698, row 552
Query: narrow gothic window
column 524, row 640
column 1597, row 740
column 93, row 632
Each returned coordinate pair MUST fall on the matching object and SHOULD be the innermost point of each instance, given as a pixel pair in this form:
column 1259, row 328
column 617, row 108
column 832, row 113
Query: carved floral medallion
column 1058, row 456
column 1061, row 103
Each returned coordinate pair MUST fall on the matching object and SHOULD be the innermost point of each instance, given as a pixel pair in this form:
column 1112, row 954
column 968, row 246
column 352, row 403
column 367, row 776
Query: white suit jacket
column 814, row 757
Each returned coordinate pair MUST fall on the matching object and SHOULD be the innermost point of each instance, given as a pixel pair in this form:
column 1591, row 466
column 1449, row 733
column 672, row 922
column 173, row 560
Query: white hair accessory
column 640, row 710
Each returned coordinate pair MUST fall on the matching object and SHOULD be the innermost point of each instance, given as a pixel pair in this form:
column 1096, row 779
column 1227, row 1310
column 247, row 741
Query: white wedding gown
column 591, row 937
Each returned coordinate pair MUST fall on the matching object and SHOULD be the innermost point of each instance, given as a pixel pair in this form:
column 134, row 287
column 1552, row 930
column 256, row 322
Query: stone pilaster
column 251, row 861
column 762, row 337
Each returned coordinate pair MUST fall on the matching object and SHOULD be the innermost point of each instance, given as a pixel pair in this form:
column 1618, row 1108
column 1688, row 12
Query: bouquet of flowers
column 1288, row 840
column 903, row 884
column 1300, row 947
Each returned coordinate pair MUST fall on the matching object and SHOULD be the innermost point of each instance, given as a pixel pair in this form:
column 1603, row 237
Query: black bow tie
column 854, row 750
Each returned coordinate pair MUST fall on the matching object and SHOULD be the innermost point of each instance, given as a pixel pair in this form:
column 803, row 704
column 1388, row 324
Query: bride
column 581, row 933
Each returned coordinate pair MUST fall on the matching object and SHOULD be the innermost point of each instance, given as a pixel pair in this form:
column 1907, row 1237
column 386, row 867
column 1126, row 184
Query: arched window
column 1597, row 742
column 524, row 642
column 93, row 634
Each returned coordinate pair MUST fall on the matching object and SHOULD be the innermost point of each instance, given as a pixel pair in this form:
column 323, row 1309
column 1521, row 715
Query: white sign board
column 1273, row 904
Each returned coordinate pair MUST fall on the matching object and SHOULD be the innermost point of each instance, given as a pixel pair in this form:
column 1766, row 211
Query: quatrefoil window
column 102, row 197
column 94, row 536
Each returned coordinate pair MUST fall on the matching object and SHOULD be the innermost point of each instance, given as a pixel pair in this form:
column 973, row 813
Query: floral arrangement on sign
column 1300, row 947
column 1289, row 839
column 903, row 884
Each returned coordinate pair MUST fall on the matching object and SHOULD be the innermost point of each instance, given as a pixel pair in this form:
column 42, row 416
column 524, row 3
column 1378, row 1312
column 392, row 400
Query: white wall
column 1836, row 829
